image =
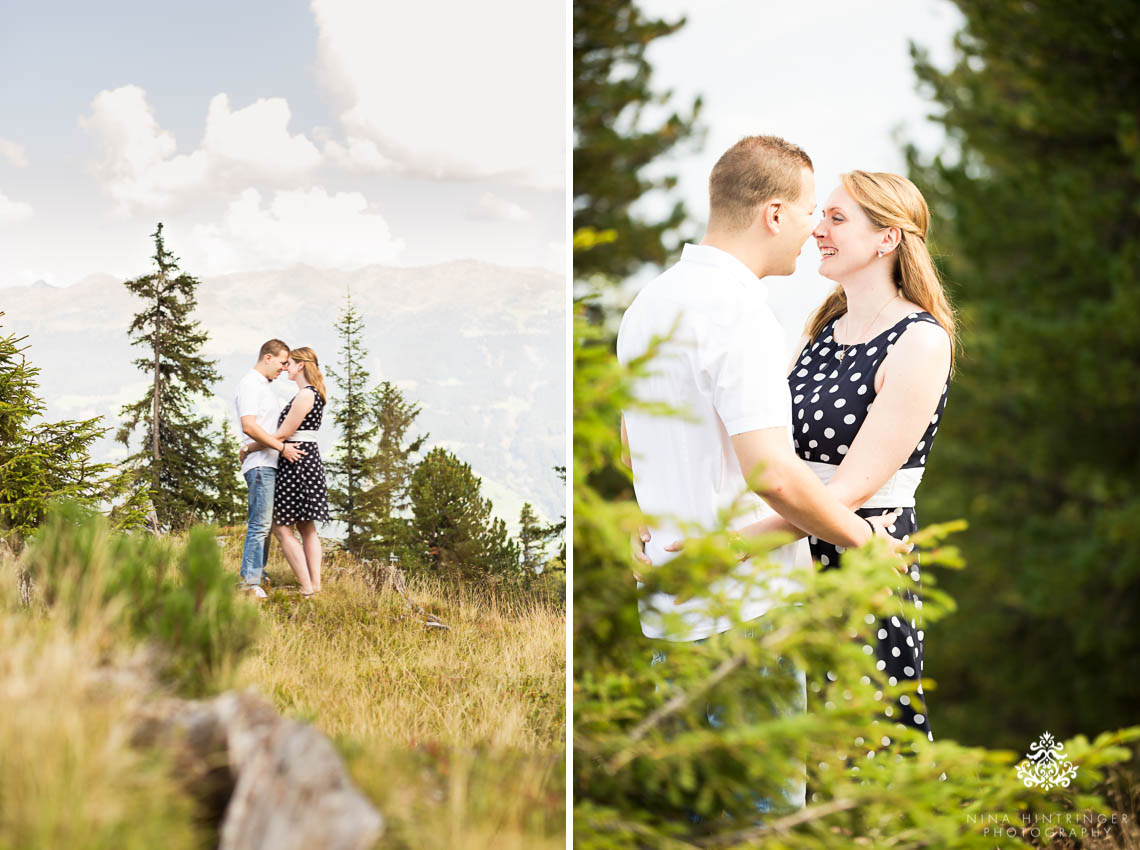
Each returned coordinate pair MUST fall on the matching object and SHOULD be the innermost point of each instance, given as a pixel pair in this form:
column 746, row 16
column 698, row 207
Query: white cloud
column 257, row 138
column 13, row 211
column 491, row 206
column 14, row 153
column 451, row 91
column 309, row 227
column 139, row 165
column 141, row 168
column 359, row 155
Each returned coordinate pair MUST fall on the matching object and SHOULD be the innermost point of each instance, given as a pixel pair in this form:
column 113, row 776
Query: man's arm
column 792, row 490
column 259, row 435
column 639, row 538
column 626, row 460
column 266, row 440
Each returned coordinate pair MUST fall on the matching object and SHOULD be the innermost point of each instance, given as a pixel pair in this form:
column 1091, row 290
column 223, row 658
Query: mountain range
column 481, row 348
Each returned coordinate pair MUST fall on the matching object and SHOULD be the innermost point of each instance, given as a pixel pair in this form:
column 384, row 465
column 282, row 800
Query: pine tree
column 612, row 145
column 350, row 467
column 177, row 458
column 231, row 493
column 557, row 530
column 452, row 524
column 44, row 462
column 532, row 539
column 1034, row 209
column 372, row 466
column 390, row 468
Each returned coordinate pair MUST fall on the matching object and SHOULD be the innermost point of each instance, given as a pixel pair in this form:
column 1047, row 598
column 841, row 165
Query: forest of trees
column 44, row 462
column 424, row 511
column 1034, row 204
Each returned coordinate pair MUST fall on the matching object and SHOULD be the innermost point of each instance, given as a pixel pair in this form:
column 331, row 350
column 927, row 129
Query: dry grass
column 458, row 735
column 69, row 776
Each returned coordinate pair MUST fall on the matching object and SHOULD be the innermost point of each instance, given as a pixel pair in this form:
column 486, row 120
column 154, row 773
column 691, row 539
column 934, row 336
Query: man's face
column 797, row 222
column 278, row 361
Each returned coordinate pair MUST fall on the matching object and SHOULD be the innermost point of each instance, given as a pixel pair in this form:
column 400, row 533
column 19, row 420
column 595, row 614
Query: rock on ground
column 271, row 783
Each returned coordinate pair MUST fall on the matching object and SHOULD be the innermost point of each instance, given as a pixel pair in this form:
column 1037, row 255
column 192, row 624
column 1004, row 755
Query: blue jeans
column 261, row 481
column 793, row 795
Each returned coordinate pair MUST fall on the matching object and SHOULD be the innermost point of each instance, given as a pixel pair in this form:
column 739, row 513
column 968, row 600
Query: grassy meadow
column 456, row 735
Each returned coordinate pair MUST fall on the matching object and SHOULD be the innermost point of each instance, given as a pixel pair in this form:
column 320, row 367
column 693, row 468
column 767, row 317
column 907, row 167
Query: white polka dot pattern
column 830, row 417
column 301, row 492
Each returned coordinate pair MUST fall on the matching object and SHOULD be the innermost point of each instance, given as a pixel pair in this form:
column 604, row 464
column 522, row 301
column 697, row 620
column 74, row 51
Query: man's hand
column 637, row 543
column 291, row 453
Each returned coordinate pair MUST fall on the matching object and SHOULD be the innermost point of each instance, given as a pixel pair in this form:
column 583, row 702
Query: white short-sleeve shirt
column 725, row 365
column 254, row 397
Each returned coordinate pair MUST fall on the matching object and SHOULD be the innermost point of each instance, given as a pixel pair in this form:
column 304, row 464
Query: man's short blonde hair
column 751, row 173
column 274, row 347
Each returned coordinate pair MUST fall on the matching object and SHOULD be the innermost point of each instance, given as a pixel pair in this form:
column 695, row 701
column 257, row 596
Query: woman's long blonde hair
column 891, row 200
column 308, row 360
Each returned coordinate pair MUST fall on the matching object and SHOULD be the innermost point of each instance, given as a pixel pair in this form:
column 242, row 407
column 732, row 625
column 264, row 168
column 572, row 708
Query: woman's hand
column 637, row 543
column 899, row 548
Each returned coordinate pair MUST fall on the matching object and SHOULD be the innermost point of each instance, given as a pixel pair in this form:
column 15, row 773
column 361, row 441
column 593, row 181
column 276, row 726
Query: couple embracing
column 842, row 432
column 281, row 464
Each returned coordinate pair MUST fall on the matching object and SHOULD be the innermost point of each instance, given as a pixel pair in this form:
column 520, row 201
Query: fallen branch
column 780, row 825
column 387, row 574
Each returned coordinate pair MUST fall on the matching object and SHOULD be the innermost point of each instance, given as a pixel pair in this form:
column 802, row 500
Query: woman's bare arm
column 302, row 403
column 913, row 378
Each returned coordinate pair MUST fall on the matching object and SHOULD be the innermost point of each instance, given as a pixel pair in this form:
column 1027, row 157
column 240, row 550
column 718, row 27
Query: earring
column 880, row 252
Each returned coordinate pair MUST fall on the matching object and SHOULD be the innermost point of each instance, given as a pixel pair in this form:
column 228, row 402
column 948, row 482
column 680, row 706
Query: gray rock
column 271, row 783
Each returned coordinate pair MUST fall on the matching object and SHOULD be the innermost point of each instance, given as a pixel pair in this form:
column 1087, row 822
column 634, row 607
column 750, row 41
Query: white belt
column 302, row 437
column 897, row 492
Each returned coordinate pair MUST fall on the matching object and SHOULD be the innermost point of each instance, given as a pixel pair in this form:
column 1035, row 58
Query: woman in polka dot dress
column 870, row 381
column 301, row 496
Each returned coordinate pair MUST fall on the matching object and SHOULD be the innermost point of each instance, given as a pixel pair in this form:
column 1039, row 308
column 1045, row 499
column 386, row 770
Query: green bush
column 173, row 594
column 649, row 771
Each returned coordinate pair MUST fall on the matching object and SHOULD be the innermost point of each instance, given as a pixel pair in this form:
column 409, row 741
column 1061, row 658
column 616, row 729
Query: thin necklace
column 843, row 348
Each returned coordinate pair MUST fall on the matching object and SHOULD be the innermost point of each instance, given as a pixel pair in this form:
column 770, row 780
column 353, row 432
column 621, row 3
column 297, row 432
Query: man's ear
column 772, row 215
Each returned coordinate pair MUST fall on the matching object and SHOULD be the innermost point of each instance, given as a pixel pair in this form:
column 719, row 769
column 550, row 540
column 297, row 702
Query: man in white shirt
column 257, row 411
column 724, row 364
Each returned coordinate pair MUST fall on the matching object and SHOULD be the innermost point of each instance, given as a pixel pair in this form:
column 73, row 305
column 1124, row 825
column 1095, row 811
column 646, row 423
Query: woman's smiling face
column 292, row 367
column 846, row 239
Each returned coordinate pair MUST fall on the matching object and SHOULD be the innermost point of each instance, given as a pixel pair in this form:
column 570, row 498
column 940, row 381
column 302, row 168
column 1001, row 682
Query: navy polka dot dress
column 301, row 493
column 831, row 395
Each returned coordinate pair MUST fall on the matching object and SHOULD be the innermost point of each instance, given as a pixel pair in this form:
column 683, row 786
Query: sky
column 833, row 77
column 263, row 134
